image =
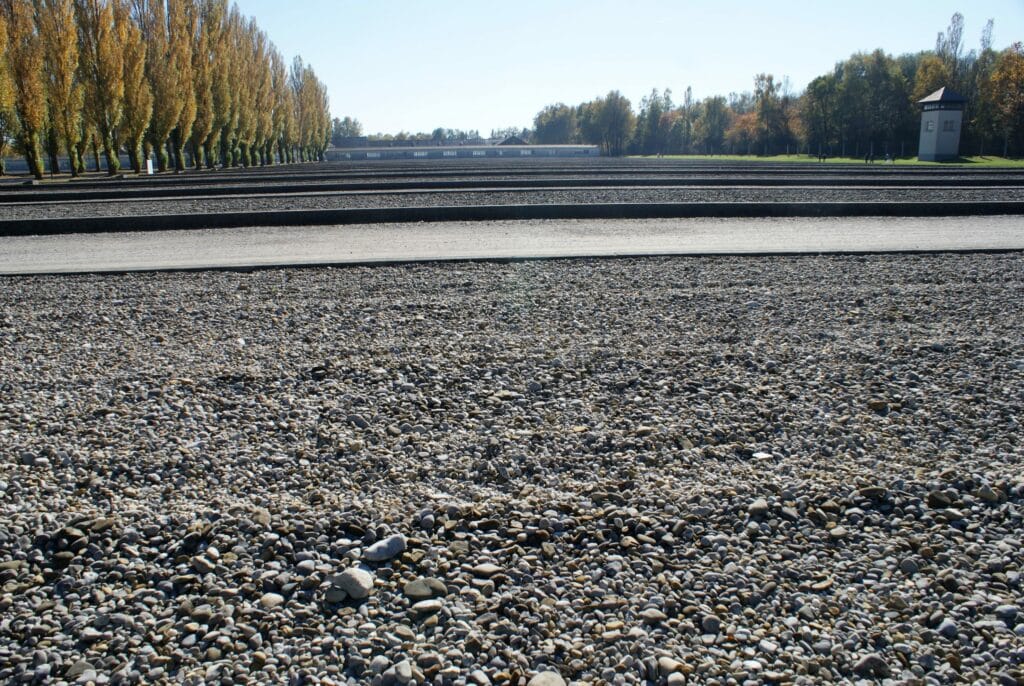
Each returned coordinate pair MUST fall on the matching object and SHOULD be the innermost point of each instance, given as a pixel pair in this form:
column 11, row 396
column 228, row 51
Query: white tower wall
column 940, row 135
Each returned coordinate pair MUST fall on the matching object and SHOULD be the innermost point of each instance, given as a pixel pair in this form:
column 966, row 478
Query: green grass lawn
column 804, row 159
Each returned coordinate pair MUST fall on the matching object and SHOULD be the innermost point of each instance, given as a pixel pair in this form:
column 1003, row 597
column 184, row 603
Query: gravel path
column 184, row 205
column 717, row 470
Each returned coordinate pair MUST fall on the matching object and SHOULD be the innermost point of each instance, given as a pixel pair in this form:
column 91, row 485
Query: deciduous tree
column 138, row 96
column 262, row 95
column 932, row 74
column 59, row 35
column 711, row 125
column 8, row 119
column 27, row 63
column 161, row 62
column 102, row 63
column 284, row 109
column 770, row 116
column 616, row 122
column 1006, row 90
column 204, row 59
column 743, row 133
column 345, row 128
column 819, row 109
column 183, row 28
column 555, row 125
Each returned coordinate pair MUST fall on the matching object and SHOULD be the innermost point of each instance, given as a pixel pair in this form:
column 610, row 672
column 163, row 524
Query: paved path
column 258, row 247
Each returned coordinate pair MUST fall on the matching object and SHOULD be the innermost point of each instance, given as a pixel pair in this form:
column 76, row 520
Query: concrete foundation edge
column 397, row 215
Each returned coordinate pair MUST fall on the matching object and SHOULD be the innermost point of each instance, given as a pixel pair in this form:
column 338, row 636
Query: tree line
column 193, row 82
column 866, row 105
column 344, row 130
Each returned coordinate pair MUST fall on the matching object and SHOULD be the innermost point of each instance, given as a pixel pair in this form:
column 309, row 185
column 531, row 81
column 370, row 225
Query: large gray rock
column 385, row 549
column 271, row 600
column 758, row 508
column 547, row 679
column 356, row 582
column 872, row 665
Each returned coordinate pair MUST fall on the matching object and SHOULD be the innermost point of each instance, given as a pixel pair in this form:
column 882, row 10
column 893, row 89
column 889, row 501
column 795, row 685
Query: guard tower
column 941, row 116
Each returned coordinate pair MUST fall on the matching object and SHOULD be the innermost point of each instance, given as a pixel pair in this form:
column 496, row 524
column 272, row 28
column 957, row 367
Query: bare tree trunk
column 33, row 156
column 80, row 149
column 210, row 161
column 72, row 160
column 179, row 151
column 53, row 151
column 110, row 154
column 135, row 157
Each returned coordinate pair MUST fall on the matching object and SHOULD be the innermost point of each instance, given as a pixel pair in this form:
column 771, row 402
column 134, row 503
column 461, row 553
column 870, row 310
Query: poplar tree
column 101, row 39
column 220, row 88
column 7, row 117
column 227, row 95
column 183, row 25
column 245, row 54
column 314, row 125
column 26, row 59
column 138, row 96
column 151, row 17
column 278, row 92
column 58, row 31
column 203, row 61
column 264, row 99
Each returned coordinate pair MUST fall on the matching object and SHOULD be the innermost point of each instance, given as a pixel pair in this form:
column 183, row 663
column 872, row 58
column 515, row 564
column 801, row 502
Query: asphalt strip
column 264, row 247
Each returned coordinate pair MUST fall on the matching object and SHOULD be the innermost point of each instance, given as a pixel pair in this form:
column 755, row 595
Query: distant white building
column 942, row 114
column 403, row 150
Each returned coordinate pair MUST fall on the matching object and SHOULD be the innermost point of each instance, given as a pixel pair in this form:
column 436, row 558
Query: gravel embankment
column 726, row 470
column 190, row 205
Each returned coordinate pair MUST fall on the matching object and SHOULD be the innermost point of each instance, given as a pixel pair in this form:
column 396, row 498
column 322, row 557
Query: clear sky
column 415, row 65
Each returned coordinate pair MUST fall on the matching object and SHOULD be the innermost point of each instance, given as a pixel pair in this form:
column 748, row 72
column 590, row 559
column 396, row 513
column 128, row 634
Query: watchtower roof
column 943, row 95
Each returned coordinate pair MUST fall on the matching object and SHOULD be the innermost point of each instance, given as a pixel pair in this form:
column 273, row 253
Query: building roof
column 943, row 95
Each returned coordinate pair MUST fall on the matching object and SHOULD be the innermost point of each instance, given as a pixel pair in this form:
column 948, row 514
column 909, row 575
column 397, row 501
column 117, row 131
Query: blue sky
column 415, row 65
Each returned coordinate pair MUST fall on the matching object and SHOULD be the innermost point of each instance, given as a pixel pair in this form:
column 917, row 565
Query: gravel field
column 704, row 471
column 185, row 205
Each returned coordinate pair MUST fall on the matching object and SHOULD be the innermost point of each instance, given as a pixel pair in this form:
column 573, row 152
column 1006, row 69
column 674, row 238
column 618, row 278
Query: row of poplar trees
column 192, row 81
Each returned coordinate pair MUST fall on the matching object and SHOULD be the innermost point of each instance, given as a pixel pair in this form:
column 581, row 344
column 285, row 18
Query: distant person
column 867, row 157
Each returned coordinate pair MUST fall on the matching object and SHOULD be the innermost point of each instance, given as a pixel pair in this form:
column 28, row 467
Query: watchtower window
column 948, row 125
column 929, row 126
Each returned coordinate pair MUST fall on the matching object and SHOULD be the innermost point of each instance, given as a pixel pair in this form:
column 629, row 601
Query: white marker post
column 149, row 167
